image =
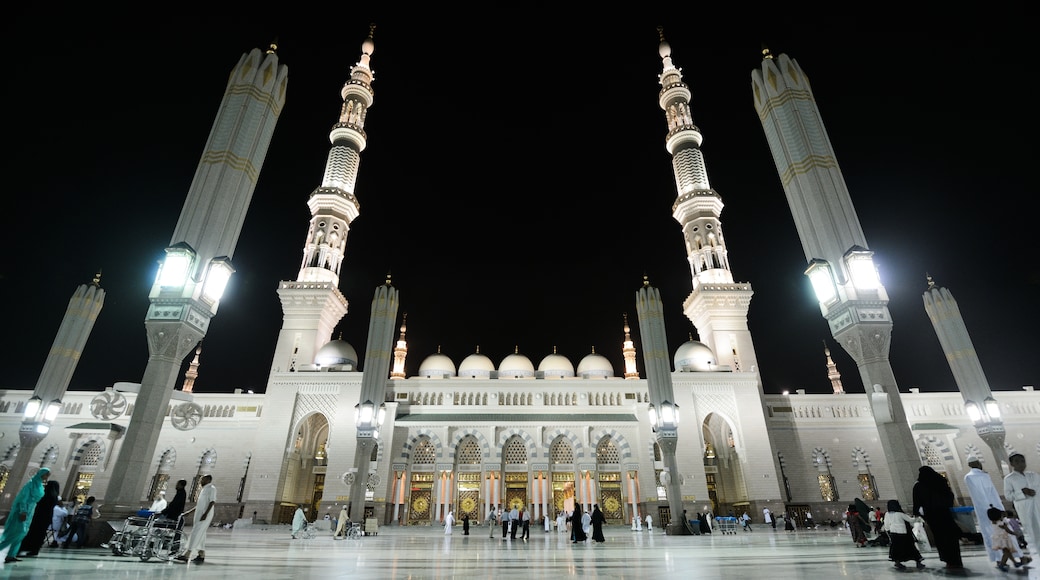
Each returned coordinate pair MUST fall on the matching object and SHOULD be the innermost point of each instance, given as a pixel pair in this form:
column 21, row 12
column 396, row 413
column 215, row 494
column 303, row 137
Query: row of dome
column 691, row 356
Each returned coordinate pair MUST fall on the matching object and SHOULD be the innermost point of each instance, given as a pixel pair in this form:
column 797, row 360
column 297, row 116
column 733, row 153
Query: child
column 1015, row 527
column 902, row 543
column 1001, row 540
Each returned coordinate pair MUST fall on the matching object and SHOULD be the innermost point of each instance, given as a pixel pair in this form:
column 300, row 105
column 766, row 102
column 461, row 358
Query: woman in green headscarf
column 17, row 524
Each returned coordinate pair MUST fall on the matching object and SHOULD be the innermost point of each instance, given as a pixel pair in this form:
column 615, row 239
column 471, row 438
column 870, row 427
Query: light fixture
column 822, row 280
column 860, row 262
column 217, row 277
column 992, row 408
column 176, row 267
column 52, row 410
column 33, row 407
column 974, row 413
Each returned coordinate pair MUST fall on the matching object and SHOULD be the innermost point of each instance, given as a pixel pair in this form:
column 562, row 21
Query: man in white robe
column 449, row 521
column 1020, row 486
column 983, row 495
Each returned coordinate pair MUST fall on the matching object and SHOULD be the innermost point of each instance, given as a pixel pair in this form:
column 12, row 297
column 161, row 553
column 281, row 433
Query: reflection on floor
column 427, row 552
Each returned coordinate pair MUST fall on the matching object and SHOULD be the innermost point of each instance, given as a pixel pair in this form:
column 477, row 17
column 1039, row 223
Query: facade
column 468, row 435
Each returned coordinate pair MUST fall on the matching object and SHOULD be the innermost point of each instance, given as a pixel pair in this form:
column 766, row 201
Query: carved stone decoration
column 373, row 481
column 108, row 405
column 186, row 416
column 348, row 478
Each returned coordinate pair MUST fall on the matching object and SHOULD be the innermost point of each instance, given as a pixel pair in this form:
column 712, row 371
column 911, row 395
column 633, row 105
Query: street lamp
column 860, row 262
column 666, row 418
column 822, row 280
column 38, row 418
column 220, row 271
column 368, row 418
column 176, row 267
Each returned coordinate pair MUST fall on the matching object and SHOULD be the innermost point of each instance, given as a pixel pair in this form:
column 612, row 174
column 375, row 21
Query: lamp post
column 989, row 426
column 368, row 418
column 37, row 420
column 664, row 422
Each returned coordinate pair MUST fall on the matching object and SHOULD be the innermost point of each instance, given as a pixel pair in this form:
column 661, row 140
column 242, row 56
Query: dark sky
column 516, row 183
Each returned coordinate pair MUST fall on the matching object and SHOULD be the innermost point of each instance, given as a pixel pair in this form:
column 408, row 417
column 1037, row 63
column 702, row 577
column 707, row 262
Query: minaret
column 629, row 352
column 718, row 306
column 832, row 372
column 312, row 305
column 45, row 404
column 193, row 371
column 840, row 266
column 967, row 371
column 400, row 351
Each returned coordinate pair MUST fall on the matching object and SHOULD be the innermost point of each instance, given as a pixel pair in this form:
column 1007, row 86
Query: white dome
column 693, row 356
column 556, row 366
column 516, row 366
column 437, row 366
column 595, row 366
column 476, row 366
column 336, row 353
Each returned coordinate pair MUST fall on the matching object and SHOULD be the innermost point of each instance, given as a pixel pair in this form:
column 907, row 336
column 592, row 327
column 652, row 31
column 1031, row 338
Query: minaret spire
column 832, row 372
column 193, row 371
column 312, row 305
column 717, row 306
column 629, row 352
column 401, row 350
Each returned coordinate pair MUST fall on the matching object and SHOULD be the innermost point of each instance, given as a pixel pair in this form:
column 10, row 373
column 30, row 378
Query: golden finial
column 371, row 29
column 387, row 277
column 516, row 349
column 97, row 279
column 931, row 283
column 646, row 281
column 765, row 52
column 660, row 33
column 273, row 46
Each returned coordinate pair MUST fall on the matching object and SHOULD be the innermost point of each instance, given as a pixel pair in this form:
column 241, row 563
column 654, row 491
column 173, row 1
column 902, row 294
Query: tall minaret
column 312, row 305
column 832, row 372
column 718, row 306
column 841, row 268
column 629, row 352
column 191, row 278
column 967, row 371
column 193, row 371
column 400, row 351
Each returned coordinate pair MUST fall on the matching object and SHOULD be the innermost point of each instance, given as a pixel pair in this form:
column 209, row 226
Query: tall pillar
column 191, row 279
column 840, row 266
column 80, row 316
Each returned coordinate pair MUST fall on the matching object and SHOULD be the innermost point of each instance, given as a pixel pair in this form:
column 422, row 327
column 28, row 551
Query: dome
column 595, row 366
column 516, row 366
column 693, row 356
column 437, row 366
column 476, row 366
column 556, row 366
column 336, row 353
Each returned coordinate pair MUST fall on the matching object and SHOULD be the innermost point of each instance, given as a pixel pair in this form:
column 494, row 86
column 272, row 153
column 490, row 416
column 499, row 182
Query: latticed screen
column 561, row 451
column 515, row 451
column 606, row 452
column 424, row 453
column 468, row 452
column 866, row 484
column 827, row 487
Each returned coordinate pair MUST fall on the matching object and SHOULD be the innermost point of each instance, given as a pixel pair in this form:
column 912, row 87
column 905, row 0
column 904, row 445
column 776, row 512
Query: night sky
column 516, row 185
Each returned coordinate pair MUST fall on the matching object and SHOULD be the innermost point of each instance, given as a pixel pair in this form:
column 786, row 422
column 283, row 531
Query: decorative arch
column 406, row 448
column 485, row 446
column 49, row 456
column 207, row 461
column 77, row 456
column 167, row 460
column 821, row 457
column 579, row 449
column 944, row 451
column 860, row 459
column 623, row 447
column 532, row 449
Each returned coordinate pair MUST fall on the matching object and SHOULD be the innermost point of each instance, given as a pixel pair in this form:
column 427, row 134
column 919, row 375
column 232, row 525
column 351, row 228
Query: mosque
column 464, row 436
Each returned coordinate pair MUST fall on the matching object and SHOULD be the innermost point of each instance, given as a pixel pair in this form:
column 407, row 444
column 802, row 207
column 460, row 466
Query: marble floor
column 426, row 552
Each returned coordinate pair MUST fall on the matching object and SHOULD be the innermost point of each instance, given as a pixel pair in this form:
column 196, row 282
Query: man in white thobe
column 449, row 521
column 1020, row 487
column 649, row 523
column 983, row 495
column 204, row 511
column 159, row 504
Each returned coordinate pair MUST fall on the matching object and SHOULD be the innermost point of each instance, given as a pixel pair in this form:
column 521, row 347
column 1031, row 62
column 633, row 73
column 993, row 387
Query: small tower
column 400, row 351
column 629, row 352
column 832, row 372
column 193, row 371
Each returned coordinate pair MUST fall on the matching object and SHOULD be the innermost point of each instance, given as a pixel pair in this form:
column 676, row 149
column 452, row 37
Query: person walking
column 546, row 522
column 525, row 519
column 902, row 544
column 174, row 510
column 449, row 522
column 299, row 519
column 788, row 524
column 20, row 516
column 649, row 523
column 41, row 520
column 503, row 518
column 746, row 519
column 204, row 511
column 1020, row 487
column 341, row 525
column 465, row 524
column 1002, row 542
column 577, row 534
column 983, row 496
column 933, row 499
column 767, row 516
column 598, row 519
